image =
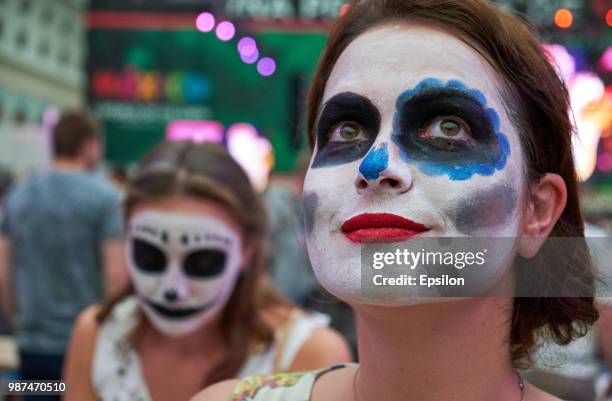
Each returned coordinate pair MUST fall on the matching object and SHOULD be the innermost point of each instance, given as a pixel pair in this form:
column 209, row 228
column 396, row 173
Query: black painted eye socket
column 346, row 129
column 205, row 263
column 148, row 257
column 446, row 126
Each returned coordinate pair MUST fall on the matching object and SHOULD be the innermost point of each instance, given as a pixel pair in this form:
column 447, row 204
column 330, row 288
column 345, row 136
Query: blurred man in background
column 60, row 248
column 6, row 180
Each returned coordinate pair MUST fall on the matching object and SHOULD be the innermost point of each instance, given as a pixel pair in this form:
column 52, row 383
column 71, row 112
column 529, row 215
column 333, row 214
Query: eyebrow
column 349, row 105
column 340, row 96
column 145, row 229
column 454, row 85
column 348, row 100
column 442, row 97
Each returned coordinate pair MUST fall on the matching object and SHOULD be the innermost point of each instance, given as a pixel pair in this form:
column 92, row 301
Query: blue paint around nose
column 375, row 163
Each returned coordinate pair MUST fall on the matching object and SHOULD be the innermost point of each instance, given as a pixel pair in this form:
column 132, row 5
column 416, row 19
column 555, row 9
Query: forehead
column 185, row 205
column 182, row 230
column 389, row 59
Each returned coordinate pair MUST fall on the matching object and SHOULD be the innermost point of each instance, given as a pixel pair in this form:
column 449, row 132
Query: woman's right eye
column 148, row 257
column 348, row 131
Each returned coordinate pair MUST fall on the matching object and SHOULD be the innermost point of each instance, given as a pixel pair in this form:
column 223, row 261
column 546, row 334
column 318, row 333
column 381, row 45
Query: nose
column 378, row 173
column 171, row 295
column 174, row 286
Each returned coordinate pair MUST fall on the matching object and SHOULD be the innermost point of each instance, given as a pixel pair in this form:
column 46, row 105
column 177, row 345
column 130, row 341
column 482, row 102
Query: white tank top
column 117, row 374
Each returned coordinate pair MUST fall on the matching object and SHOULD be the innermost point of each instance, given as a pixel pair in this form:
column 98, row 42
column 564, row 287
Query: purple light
column 226, row 31
column 266, row 66
column 249, row 56
column 249, row 50
column 604, row 162
column 195, row 130
column 247, row 47
column 205, row 22
column 606, row 60
column 245, row 44
column 562, row 60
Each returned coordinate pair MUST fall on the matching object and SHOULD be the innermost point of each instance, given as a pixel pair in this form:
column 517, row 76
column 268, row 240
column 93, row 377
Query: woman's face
column 184, row 256
column 412, row 140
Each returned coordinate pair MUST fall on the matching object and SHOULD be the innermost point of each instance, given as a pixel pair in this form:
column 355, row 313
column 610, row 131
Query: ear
column 248, row 252
column 86, row 149
column 83, row 149
column 547, row 199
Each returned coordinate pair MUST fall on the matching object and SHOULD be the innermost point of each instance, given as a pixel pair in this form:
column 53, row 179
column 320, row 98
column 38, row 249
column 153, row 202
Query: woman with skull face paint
column 198, row 310
column 429, row 119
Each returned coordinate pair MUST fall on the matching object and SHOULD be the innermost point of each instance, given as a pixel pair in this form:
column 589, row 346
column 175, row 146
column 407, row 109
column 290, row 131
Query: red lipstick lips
column 380, row 227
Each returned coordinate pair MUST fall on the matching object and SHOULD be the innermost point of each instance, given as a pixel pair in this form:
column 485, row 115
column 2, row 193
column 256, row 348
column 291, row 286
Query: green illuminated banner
column 140, row 80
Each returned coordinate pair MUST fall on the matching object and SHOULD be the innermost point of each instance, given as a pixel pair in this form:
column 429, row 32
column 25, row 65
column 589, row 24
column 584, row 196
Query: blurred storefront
column 42, row 50
column 227, row 61
column 202, row 69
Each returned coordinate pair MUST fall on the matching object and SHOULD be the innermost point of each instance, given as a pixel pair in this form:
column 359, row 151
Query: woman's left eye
column 447, row 127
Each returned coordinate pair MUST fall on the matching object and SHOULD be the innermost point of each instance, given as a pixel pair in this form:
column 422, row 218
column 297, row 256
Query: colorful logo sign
column 151, row 86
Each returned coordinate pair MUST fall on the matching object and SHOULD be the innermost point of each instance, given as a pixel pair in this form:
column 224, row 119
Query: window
column 21, row 40
column 64, row 57
column 66, row 27
column 44, row 48
column 19, row 117
column 46, row 17
column 24, row 6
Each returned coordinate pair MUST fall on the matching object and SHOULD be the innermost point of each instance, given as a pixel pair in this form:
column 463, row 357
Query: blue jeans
column 35, row 366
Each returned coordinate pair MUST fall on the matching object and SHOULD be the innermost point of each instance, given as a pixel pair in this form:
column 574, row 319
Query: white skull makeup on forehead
column 412, row 139
column 184, row 267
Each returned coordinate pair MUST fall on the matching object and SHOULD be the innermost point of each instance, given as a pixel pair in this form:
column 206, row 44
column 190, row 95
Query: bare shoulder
column 328, row 340
column 84, row 334
column 221, row 391
column 79, row 357
column 87, row 322
column 324, row 347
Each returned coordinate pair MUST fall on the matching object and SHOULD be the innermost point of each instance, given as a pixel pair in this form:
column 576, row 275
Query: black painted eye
column 205, row 263
column 348, row 131
column 148, row 257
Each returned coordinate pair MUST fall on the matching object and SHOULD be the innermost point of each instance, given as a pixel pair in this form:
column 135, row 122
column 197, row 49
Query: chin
column 338, row 267
column 357, row 300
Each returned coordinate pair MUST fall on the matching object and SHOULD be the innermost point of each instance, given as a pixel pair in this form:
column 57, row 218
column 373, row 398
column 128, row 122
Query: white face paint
column 404, row 86
column 183, row 266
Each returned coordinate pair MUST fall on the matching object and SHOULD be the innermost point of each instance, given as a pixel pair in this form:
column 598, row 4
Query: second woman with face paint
column 197, row 311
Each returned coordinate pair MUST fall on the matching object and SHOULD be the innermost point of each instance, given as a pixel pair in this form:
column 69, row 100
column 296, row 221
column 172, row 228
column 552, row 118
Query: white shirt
column 117, row 373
